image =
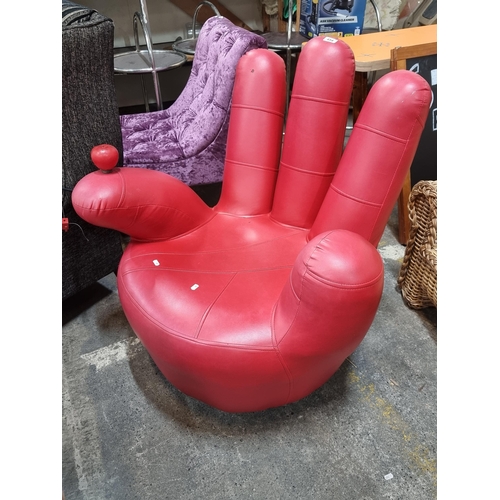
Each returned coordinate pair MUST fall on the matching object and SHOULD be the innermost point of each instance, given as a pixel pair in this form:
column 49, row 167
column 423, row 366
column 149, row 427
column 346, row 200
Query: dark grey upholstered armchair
column 89, row 117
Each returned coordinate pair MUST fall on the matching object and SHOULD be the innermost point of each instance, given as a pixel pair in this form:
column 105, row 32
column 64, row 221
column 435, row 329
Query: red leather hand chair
column 256, row 302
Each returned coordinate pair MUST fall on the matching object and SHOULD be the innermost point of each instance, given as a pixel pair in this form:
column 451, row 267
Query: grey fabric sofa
column 89, row 117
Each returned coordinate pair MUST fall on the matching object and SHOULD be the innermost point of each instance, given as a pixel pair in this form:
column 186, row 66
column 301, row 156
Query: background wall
column 167, row 23
column 166, row 20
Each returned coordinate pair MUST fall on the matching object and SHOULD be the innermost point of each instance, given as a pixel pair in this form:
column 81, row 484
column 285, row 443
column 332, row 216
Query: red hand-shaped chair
column 256, row 302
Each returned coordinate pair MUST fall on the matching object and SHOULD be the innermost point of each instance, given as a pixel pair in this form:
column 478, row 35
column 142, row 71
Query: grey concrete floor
column 369, row 433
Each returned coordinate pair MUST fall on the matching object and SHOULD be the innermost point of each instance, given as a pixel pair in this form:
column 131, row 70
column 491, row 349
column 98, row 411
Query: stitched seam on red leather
column 194, row 340
column 309, row 172
column 257, row 108
column 359, row 200
column 379, row 132
column 275, row 342
column 295, row 317
column 345, row 286
column 319, row 99
column 276, row 348
column 251, row 165
column 200, row 271
column 210, row 307
column 122, row 197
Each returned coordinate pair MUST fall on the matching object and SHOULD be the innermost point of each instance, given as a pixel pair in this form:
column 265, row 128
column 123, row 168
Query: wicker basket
column 418, row 274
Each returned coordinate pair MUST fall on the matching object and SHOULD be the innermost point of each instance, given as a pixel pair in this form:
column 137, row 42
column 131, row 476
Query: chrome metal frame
column 143, row 18
column 209, row 4
column 188, row 45
column 377, row 13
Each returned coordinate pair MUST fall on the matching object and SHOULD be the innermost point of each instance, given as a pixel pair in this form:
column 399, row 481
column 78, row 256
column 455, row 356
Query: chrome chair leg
column 143, row 19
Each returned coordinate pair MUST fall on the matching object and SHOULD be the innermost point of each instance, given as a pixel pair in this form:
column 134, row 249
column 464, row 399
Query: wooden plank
column 266, row 20
column 359, row 93
column 399, row 55
column 372, row 51
column 189, row 7
column 283, row 23
column 403, row 214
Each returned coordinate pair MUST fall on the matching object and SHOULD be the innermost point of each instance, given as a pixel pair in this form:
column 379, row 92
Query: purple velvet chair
column 188, row 140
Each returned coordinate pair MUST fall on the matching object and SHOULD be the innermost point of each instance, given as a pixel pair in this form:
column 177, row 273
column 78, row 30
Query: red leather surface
column 375, row 162
column 315, row 130
column 326, row 307
column 145, row 204
column 255, row 134
column 256, row 302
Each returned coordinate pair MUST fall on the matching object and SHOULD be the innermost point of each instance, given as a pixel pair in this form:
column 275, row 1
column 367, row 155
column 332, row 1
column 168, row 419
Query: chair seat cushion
column 156, row 141
column 246, row 264
column 228, row 324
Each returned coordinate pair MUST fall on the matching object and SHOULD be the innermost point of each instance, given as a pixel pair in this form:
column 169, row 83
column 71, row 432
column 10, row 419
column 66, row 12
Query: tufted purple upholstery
column 188, row 140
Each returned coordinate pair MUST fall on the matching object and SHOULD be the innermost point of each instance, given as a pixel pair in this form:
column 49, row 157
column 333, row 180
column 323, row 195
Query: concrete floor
column 369, row 433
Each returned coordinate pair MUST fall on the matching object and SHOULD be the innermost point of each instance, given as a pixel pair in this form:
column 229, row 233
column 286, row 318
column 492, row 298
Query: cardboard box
column 335, row 18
